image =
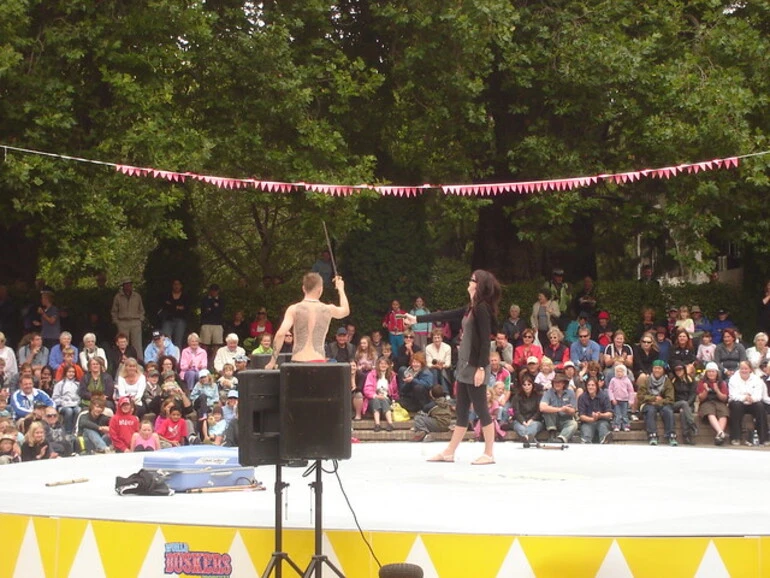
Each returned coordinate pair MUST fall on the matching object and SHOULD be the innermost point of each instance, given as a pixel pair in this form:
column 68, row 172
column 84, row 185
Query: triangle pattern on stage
column 111, row 539
column 243, row 567
column 449, row 553
column 70, row 535
column 741, row 556
column 663, row 556
column 14, row 531
column 712, row 566
column 87, row 561
column 516, row 564
column 546, row 554
column 47, row 535
column 154, row 561
column 614, row 564
column 419, row 555
column 29, row 562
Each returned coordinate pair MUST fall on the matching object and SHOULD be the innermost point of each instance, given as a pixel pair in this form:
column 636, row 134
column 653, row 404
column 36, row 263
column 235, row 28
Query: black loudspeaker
column 316, row 411
column 259, row 361
column 259, row 418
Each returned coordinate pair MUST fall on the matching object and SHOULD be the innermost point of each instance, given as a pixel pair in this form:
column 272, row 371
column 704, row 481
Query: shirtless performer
column 310, row 319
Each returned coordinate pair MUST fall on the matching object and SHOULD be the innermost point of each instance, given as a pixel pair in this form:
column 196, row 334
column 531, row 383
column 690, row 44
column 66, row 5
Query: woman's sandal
column 483, row 460
column 442, row 458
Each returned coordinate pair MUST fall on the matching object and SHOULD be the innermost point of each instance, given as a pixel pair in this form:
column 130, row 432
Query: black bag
column 142, row 483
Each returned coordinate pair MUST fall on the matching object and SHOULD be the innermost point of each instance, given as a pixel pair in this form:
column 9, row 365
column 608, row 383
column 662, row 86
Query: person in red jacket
column 123, row 425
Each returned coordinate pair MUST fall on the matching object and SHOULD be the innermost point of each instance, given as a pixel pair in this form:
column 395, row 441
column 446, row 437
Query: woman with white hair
column 228, row 353
column 91, row 350
column 759, row 352
column 514, row 325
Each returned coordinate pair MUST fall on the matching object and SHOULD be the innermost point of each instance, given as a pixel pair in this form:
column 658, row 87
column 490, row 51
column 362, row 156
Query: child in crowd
column 204, row 394
column 35, row 447
column 230, row 410
column 69, row 359
column 172, row 429
column 492, row 406
column 145, row 440
column 216, row 428
column 503, row 402
column 123, row 425
column 381, row 402
column 265, row 345
column 66, row 396
column 621, row 392
column 4, row 411
column 545, row 376
column 685, row 321
column 94, row 426
column 593, row 369
column 3, row 377
column 58, row 439
column 227, row 380
column 706, row 349
column 435, row 416
column 9, row 449
column 387, row 351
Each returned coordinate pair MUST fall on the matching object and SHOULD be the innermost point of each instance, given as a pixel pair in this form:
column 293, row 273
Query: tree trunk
column 19, row 255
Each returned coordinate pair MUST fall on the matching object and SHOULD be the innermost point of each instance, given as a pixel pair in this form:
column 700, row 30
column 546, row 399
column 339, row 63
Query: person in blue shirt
column 25, row 398
column 56, row 356
column 160, row 346
column 584, row 350
column 721, row 323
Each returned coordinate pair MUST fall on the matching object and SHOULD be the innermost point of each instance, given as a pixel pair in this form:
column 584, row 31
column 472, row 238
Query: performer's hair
column 487, row 290
column 311, row 281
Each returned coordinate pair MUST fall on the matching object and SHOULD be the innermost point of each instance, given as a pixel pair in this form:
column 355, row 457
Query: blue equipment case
column 201, row 466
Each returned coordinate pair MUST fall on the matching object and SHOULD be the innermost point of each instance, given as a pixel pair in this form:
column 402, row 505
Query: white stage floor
column 612, row 490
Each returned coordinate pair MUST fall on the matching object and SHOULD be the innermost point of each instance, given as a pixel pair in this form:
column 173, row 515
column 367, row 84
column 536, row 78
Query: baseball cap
column 7, row 437
column 532, row 359
column 583, row 315
column 568, row 364
column 604, row 315
column 125, row 281
column 712, row 366
column 696, row 309
column 659, row 363
column 241, row 358
column 673, row 308
column 232, row 394
column 157, row 333
column 558, row 271
column 214, row 287
column 722, row 312
column 560, row 376
column 166, row 374
column 124, row 400
column 204, row 373
column 342, row 331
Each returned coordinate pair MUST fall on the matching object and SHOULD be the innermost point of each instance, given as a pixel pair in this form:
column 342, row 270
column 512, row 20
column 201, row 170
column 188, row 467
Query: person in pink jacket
column 193, row 359
column 381, row 390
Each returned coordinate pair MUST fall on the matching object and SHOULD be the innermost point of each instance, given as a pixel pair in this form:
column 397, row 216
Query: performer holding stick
column 310, row 319
column 473, row 361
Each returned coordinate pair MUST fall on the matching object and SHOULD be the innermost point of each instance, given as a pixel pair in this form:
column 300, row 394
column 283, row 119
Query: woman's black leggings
column 468, row 394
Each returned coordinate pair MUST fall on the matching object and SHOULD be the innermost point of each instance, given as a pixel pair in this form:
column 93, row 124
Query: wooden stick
column 215, row 490
column 66, row 482
column 543, row 446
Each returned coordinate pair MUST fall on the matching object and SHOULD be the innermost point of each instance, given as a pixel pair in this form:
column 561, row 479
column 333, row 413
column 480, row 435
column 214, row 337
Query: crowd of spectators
column 567, row 369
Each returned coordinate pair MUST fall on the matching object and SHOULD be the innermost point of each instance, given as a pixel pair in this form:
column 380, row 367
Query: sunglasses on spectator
column 646, row 341
column 52, row 415
column 583, row 335
column 528, row 337
column 408, row 337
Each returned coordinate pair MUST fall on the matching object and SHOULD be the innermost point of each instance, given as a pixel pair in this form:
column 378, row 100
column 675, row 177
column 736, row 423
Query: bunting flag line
column 479, row 189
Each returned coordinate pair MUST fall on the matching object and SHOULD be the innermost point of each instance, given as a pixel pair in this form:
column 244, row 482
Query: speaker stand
column 279, row 556
column 319, row 560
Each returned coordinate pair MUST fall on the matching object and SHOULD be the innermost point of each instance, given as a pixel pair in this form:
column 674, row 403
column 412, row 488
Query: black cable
column 335, row 471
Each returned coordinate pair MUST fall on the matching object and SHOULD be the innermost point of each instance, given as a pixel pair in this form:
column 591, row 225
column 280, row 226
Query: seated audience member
column 194, row 358
column 132, row 384
column 416, row 381
column 118, row 354
column 493, row 407
column 745, row 393
column 4, row 410
column 529, row 349
column 702, row 324
column 531, row 370
column 584, row 350
column 123, row 425
column 265, row 346
column 96, row 381
column 514, row 325
column 66, row 398
column 436, row 416
column 35, row 447
column 9, row 357
column 33, row 351
column 575, row 382
column 60, row 442
column 498, row 374
column 376, row 341
column 10, row 452
column 260, row 325
column 644, row 354
column 558, row 407
column 595, row 414
column 4, row 379
column 205, row 394
column 25, row 370
column 24, row 399
column 759, row 353
column 56, row 356
column 575, row 326
column 617, row 352
column 438, row 356
column 713, row 395
column 288, row 343
column 684, row 321
column 145, row 440
column 366, row 357
column 341, row 349
column 554, row 348
column 683, row 352
column 230, row 409
column 648, row 323
column 503, row 349
column 527, row 421
column 405, row 353
column 673, row 316
column 544, row 378
column 241, row 362
column 656, row 396
column 91, row 350
column 729, row 354
column 719, row 325
column 622, row 397
column 46, row 383
column 228, row 353
column 227, row 380
column 379, row 395
column 172, row 429
column 604, row 330
column 159, row 346
column 684, row 402
column 663, row 343
column 215, row 432
column 94, row 426
column 153, row 392
column 70, row 358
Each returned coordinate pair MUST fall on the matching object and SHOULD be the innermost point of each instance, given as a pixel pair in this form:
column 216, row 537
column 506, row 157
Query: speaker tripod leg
column 316, row 565
column 319, row 560
column 279, row 557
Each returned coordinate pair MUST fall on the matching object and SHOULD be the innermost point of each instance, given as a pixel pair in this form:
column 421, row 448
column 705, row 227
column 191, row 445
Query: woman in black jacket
column 472, row 373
